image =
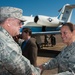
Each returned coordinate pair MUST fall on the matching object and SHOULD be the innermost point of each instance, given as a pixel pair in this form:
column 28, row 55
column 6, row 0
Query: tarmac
column 47, row 53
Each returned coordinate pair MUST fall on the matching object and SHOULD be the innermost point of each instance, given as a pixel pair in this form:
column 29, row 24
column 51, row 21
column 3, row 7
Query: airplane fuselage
column 48, row 24
column 47, row 21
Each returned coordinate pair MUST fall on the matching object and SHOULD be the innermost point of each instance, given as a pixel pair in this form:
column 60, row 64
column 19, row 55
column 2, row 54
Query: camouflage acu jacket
column 11, row 60
column 65, row 61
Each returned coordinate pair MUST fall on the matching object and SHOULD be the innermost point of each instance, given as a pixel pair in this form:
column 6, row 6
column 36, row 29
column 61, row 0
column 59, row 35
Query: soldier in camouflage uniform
column 65, row 61
column 12, row 62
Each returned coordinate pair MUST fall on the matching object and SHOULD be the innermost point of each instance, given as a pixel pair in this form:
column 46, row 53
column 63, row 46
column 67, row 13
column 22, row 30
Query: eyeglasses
column 22, row 22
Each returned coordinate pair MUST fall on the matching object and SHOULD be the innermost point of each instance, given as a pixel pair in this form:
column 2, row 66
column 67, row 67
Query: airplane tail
column 66, row 13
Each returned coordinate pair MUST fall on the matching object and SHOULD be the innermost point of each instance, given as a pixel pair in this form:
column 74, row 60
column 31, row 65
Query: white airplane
column 64, row 16
column 41, row 24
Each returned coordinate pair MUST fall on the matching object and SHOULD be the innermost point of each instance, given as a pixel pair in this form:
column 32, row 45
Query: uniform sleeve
column 71, row 66
column 53, row 63
column 15, row 63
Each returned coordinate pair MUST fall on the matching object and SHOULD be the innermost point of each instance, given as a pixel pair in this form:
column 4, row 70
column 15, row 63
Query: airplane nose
column 36, row 18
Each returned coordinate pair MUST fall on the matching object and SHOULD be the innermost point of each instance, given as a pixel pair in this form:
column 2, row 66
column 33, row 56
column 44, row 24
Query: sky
column 39, row 7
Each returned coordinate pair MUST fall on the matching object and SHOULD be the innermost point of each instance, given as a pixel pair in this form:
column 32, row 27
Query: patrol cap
column 11, row 12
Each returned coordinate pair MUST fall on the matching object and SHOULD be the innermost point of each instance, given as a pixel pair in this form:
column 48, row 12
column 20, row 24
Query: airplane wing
column 45, row 33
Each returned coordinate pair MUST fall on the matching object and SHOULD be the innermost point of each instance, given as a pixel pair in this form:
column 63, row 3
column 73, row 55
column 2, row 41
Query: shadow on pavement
column 48, row 53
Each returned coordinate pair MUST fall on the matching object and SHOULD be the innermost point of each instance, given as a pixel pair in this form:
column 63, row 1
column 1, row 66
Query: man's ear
column 8, row 22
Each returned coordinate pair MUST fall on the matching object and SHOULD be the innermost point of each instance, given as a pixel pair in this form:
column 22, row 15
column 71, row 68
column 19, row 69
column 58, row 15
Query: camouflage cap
column 11, row 12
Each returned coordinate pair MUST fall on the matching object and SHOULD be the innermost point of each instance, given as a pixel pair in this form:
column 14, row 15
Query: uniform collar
column 5, row 32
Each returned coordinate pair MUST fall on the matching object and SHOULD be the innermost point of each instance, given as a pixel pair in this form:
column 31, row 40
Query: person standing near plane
column 65, row 61
column 53, row 40
column 12, row 62
column 46, row 40
column 29, row 46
